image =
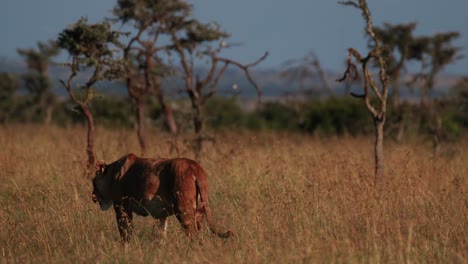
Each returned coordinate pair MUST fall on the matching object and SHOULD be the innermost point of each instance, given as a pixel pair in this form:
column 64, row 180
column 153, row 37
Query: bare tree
column 377, row 108
column 187, row 36
column 200, row 89
column 91, row 47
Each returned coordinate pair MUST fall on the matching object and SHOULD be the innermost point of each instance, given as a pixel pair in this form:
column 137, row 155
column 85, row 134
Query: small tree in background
column 91, row 48
column 143, row 66
column 9, row 85
column 460, row 92
column 187, row 36
column 377, row 108
column 434, row 53
column 42, row 100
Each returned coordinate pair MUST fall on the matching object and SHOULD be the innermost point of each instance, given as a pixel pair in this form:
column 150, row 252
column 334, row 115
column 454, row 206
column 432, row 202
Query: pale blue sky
column 287, row 29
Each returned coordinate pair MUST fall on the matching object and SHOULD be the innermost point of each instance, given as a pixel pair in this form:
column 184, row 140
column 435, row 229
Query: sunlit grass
column 288, row 198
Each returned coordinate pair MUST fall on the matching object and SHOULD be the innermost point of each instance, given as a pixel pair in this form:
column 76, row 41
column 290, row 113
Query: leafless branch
column 374, row 86
column 245, row 68
column 351, row 69
column 367, row 78
column 209, row 76
column 321, row 74
column 215, row 82
column 377, row 54
column 349, row 3
column 357, row 95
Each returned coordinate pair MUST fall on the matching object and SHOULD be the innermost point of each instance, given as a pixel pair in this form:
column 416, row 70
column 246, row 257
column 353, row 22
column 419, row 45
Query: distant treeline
column 324, row 117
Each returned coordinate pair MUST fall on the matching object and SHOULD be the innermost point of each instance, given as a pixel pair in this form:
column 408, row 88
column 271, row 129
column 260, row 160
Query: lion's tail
column 202, row 189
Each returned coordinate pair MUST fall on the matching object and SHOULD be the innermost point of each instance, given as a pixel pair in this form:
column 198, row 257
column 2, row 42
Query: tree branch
column 209, row 76
column 245, row 68
column 349, row 3
column 185, row 64
column 68, row 84
column 89, row 84
column 351, row 71
column 366, row 89
column 214, row 84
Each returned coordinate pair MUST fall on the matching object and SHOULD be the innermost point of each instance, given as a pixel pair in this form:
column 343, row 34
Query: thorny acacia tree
column 435, row 53
column 91, row 48
column 37, row 80
column 143, row 66
column 187, row 37
column 377, row 108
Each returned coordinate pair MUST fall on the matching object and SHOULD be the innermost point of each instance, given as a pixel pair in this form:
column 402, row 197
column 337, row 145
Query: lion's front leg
column 124, row 218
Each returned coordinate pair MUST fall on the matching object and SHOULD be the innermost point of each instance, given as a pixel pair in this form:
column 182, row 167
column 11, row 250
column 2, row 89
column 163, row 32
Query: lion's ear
column 100, row 166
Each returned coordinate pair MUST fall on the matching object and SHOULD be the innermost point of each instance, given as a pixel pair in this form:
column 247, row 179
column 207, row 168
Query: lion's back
column 188, row 169
column 181, row 174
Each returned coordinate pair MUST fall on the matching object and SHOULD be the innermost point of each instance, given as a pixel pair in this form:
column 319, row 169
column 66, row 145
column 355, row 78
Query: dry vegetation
column 289, row 199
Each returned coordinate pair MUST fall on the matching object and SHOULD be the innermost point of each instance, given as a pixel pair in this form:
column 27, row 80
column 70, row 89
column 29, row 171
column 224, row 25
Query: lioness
column 156, row 187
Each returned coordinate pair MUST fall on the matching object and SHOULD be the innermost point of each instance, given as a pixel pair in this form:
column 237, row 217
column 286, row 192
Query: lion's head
column 101, row 186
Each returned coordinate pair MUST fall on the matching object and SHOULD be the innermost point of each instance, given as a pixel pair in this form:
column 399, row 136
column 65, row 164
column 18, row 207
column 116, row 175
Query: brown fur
column 156, row 187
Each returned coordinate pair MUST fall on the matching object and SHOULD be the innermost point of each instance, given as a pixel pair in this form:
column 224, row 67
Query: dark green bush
column 337, row 117
column 113, row 111
column 278, row 116
column 9, row 85
column 108, row 111
column 224, row 112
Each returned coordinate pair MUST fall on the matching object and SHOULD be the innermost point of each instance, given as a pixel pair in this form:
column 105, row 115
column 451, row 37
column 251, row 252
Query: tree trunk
column 396, row 97
column 396, row 91
column 401, row 130
column 48, row 115
column 379, row 156
column 437, row 133
column 141, row 125
column 198, row 124
column 169, row 120
column 90, row 147
column 399, row 112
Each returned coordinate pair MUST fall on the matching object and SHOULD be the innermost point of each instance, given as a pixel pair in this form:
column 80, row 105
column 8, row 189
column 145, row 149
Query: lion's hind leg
column 186, row 217
column 185, row 212
column 160, row 229
column 199, row 212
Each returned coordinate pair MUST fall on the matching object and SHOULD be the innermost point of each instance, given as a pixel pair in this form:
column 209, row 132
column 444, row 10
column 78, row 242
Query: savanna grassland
column 288, row 198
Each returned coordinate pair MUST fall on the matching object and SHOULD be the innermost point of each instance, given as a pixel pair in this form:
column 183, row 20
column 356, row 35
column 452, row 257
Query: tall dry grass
column 288, row 198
